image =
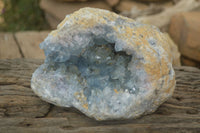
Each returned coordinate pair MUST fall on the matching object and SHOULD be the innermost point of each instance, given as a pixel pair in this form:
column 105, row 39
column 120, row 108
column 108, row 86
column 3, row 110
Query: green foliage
column 23, row 15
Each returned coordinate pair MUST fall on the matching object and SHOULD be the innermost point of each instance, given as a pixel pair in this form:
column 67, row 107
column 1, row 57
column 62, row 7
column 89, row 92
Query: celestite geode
column 105, row 65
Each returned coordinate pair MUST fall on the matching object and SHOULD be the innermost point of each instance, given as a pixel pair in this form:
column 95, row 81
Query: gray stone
column 105, row 65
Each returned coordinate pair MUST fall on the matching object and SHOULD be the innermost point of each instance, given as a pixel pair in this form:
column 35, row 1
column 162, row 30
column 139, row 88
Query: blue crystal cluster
column 102, row 66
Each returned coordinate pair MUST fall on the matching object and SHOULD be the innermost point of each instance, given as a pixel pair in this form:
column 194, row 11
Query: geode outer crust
column 105, row 65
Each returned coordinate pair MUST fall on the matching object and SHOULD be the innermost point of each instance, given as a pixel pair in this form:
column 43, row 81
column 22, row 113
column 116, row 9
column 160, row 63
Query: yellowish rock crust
column 153, row 67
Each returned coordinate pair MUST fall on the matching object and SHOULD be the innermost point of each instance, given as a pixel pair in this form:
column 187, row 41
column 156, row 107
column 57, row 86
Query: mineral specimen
column 105, row 65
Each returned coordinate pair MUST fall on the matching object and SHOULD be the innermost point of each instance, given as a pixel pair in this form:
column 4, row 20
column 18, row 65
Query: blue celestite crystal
column 105, row 65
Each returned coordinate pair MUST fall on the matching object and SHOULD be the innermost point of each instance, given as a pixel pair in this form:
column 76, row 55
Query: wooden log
column 21, row 111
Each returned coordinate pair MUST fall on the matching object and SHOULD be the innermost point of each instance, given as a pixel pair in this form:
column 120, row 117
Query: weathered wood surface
column 21, row 111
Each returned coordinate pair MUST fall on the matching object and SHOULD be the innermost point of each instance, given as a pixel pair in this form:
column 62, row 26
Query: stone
column 8, row 46
column 57, row 10
column 113, row 3
column 153, row 0
column 52, row 21
column 127, row 5
column 105, row 65
column 28, row 42
column 184, row 30
column 135, row 12
column 174, row 51
column 134, row 9
column 162, row 19
column 189, row 62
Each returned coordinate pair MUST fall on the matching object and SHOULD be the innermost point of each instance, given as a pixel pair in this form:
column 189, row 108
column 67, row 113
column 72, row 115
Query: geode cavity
column 105, row 65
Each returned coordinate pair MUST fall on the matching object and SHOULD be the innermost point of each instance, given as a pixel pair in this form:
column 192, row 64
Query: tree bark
column 21, row 111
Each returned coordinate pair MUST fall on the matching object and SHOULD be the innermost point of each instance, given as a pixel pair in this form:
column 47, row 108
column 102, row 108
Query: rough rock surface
column 127, row 5
column 174, row 51
column 162, row 19
column 28, row 42
column 8, row 46
column 112, row 3
column 189, row 62
column 105, row 65
column 184, row 30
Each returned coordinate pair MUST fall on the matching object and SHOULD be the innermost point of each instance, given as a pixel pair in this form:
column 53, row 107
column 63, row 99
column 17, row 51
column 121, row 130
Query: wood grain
column 21, row 111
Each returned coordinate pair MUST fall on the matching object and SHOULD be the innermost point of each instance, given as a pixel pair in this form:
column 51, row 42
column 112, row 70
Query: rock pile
column 55, row 10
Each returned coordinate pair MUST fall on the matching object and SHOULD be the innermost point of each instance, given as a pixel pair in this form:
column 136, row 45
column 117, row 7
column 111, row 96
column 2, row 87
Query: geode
column 105, row 65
